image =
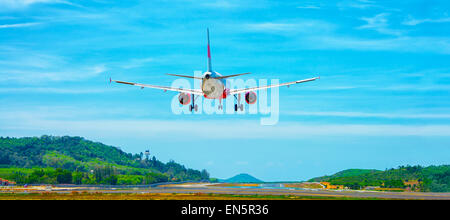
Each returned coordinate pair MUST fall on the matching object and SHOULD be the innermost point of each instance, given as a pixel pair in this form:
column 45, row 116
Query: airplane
column 214, row 87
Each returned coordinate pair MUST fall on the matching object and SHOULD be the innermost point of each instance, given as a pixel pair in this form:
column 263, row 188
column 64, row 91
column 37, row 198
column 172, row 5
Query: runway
column 211, row 189
column 309, row 193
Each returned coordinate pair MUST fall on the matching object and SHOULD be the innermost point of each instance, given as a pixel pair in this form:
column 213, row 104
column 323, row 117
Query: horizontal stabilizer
column 190, row 77
column 224, row 77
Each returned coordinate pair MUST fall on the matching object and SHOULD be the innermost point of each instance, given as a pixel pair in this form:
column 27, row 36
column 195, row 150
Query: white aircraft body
column 214, row 87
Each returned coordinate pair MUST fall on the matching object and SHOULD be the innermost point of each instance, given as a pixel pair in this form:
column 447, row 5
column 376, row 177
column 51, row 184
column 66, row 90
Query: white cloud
column 270, row 26
column 2, row 26
column 42, row 75
column 317, row 34
column 292, row 27
column 308, row 7
column 17, row 4
column 220, row 4
column 412, row 22
column 358, row 4
column 53, row 90
column 134, row 63
column 379, row 23
column 31, row 66
column 230, row 4
column 406, row 44
column 24, row 112
column 430, row 87
column 163, row 129
column 372, row 115
column 97, row 69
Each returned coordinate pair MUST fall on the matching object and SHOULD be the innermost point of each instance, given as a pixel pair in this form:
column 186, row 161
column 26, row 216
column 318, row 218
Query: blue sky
column 383, row 99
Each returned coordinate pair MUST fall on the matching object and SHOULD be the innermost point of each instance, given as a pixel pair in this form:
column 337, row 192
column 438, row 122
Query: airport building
column 412, row 185
column 4, row 182
column 328, row 185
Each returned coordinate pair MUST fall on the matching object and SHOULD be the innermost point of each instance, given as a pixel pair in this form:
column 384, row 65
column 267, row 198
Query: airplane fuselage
column 213, row 88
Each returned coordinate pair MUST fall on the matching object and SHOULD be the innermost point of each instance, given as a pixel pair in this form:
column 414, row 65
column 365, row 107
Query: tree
column 63, row 176
column 105, row 175
column 204, row 175
column 77, row 177
column 77, row 155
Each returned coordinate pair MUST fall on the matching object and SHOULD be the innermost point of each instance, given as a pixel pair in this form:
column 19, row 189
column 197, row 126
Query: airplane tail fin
column 209, row 52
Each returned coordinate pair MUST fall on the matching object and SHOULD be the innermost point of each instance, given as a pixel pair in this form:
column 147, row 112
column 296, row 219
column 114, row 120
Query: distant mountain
column 242, row 178
column 344, row 173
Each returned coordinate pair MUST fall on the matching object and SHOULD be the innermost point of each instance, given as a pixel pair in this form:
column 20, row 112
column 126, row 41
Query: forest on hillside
column 50, row 159
column 430, row 179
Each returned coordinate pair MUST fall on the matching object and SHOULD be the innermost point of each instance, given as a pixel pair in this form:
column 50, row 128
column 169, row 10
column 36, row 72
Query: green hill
column 43, row 159
column 242, row 178
column 344, row 173
column 431, row 178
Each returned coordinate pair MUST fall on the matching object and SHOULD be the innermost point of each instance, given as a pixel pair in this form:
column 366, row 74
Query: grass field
column 236, row 185
column 304, row 185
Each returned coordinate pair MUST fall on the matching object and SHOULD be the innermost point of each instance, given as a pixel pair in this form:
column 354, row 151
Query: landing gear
column 220, row 107
column 238, row 106
column 193, row 106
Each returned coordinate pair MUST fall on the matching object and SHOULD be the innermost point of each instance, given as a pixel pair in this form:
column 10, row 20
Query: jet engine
column 184, row 98
column 250, row 98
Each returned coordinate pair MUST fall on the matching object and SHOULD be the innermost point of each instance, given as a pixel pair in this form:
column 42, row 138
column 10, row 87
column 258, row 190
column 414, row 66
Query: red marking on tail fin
column 209, row 52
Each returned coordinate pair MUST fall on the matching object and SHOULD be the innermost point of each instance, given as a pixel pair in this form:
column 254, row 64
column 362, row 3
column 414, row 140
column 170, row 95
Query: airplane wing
column 237, row 91
column 165, row 88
